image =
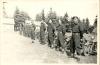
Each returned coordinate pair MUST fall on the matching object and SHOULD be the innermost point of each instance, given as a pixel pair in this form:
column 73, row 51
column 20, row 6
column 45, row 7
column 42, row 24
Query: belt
column 60, row 32
column 75, row 32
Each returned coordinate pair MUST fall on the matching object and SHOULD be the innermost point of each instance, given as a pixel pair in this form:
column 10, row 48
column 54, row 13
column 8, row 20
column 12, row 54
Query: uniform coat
column 60, row 37
column 42, row 33
column 76, row 36
column 33, row 31
column 50, row 30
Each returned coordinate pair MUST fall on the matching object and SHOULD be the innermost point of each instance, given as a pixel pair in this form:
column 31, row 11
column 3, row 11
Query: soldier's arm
column 34, row 26
column 81, row 31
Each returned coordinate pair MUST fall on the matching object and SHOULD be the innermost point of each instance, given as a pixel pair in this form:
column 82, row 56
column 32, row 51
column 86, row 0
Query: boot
column 32, row 41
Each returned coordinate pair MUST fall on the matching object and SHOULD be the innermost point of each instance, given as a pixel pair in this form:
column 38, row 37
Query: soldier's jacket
column 27, row 28
column 50, row 29
column 76, row 36
column 75, row 28
column 78, row 28
column 33, row 27
column 60, row 35
column 67, row 24
column 42, row 32
column 60, row 28
column 42, row 27
column 51, row 34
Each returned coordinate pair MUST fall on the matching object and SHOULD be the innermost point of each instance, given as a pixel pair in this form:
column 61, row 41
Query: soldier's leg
column 49, row 40
column 59, row 45
column 20, row 29
column 72, row 46
column 24, row 32
column 56, row 44
column 77, row 43
column 15, row 27
column 61, row 39
column 43, row 38
column 31, row 35
column 40, row 38
column 49, row 44
column 53, row 42
column 34, row 35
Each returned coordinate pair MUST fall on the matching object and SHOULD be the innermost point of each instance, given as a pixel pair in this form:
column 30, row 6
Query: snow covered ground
column 17, row 49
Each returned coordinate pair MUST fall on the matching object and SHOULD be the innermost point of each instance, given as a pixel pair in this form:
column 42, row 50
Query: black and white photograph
column 49, row 32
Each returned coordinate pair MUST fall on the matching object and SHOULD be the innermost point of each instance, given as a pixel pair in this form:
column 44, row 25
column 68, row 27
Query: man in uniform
column 21, row 29
column 60, row 37
column 66, row 23
column 50, row 30
column 76, row 32
column 33, row 32
column 64, row 26
column 42, row 33
column 25, row 31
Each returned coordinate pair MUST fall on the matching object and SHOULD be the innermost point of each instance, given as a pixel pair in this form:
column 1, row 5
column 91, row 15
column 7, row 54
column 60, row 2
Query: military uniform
column 25, row 33
column 21, row 29
column 50, row 30
column 42, row 33
column 60, row 37
column 63, row 29
column 75, row 41
column 29, row 30
column 33, row 31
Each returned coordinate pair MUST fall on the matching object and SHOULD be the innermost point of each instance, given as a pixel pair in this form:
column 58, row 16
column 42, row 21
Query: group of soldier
column 57, row 35
column 54, row 33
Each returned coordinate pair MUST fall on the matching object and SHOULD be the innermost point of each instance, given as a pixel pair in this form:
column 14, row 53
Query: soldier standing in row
column 21, row 28
column 66, row 23
column 33, row 32
column 94, row 38
column 42, row 33
column 50, row 30
column 25, row 31
column 60, row 37
column 76, row 32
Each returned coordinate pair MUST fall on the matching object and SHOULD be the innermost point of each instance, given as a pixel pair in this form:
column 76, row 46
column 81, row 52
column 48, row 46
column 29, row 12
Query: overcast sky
column 81, row 8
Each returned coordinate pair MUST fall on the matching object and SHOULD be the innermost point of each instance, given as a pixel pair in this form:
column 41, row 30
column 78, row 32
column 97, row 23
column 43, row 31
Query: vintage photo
column 49, row 32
